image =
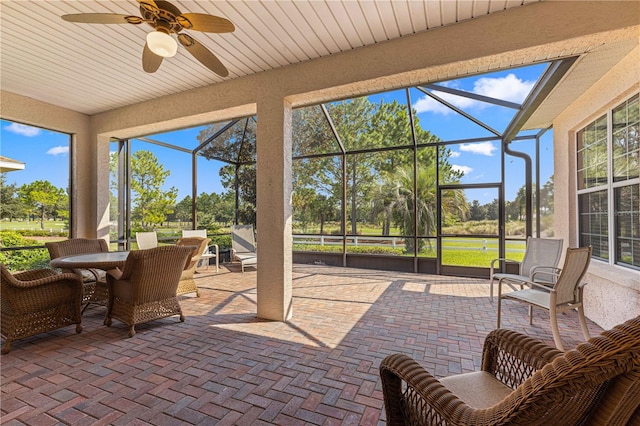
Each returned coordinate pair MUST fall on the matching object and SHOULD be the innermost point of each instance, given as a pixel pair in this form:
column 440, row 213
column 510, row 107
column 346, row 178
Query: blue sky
column 46, row 153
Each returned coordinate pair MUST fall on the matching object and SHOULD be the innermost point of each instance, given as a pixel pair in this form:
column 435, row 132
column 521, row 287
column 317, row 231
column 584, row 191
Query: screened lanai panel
column 442, row 122
column 352, row 121
column 376, row 121
column 311, row 133
column 383, row 197
column 471, row 162
column 317, row 195
column 233, row 141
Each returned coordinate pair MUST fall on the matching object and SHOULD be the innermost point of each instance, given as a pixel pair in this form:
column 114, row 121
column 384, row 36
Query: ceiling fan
column 166, row 19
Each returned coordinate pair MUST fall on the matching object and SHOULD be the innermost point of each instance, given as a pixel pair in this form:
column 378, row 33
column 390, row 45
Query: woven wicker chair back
column 153, row 274
column 76, row 246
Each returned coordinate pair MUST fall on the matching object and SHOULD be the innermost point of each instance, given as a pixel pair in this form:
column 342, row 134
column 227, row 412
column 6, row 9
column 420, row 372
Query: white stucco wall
column 612, row 295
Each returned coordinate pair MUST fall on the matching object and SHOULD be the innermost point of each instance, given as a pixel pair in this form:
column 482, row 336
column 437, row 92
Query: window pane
column 592, row 154
column 625, row 140
column 627, row 214
column 593, row 210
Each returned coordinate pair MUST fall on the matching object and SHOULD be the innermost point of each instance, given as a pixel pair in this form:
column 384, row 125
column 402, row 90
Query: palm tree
column 400, row 190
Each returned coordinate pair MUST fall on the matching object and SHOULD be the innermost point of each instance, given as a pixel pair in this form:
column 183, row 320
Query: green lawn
column 49, row 225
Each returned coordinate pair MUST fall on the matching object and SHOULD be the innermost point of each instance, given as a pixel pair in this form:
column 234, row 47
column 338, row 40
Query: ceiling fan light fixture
column 162, row 44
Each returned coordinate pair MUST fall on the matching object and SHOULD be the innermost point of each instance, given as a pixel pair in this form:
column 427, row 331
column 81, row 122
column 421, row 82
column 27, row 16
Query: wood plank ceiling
column 91, row 68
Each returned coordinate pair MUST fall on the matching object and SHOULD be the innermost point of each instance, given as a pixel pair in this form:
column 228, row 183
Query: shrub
column 22, row 260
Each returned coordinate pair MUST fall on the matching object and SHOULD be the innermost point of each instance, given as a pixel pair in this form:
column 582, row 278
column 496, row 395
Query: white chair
column 541, row 258
column 206, row 254
column 147, row 240
column 243, row 245
column 566, row 293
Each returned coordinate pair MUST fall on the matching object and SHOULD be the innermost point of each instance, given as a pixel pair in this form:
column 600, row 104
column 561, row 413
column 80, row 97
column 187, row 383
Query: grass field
column 49, row 225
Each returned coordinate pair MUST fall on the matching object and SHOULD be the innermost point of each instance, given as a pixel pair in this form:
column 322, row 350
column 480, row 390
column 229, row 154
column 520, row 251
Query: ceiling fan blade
column 205, row 23
column 203, row 55
column 99, row 18
column 150, row 61
column 149, row 2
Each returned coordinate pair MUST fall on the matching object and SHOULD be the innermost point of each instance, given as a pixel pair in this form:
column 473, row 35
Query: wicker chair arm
column 434, row 397
column 513, row 357
column 40, row 277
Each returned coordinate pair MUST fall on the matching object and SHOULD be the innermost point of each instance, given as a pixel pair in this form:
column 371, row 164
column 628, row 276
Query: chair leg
column 499, row 307
column 491, row 291
column 132, row 331
column 530, row 315
column 7, row 347
column 583, row 323
column 553, row 318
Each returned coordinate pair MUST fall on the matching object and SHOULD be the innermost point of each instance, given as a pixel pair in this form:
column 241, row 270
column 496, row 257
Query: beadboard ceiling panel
column 92, row 68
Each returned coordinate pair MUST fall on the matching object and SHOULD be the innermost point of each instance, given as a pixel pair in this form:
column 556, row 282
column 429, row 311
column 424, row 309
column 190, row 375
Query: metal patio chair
column 243, row 245
column 147, row 240
column 541, row 255
column 566, row 293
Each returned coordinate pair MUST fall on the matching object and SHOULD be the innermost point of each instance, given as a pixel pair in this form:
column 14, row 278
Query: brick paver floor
column 225, row 366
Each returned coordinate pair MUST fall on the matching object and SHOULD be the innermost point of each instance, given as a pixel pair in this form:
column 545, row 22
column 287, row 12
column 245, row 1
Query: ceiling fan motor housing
column 163, row 18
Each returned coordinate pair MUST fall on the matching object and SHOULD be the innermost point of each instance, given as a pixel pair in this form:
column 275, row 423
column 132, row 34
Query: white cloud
column 21, row 129
column 57, row 150
column 464, row 169
column 428, row 104
column 455, row 154
column 508, row 88
column 482, row 148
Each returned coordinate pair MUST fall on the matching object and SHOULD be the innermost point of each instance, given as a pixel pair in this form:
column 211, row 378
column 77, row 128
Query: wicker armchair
column 95, row 281
column 38, row 301
column 525, row 382
column 187, row 284
column 145, row 289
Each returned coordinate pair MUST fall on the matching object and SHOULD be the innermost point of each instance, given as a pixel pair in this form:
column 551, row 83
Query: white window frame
column 610, row 187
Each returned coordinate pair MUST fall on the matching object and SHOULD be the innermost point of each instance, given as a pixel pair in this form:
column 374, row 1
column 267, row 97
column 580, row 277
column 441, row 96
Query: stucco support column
column 103, row 199
column 274, row 209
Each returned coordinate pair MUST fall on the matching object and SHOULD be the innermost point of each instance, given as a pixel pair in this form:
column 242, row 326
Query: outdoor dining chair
column 38, row 301
column 566, row 294
column 541, row 254
column 147, row 240
column 95, row 281
column 187, row 283
column 145, row 289
column 523, row 381
column 206, row 253
column 243, row 245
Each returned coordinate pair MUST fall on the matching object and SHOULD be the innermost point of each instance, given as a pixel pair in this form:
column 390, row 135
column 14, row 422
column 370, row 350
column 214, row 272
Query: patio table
column 104, row 261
